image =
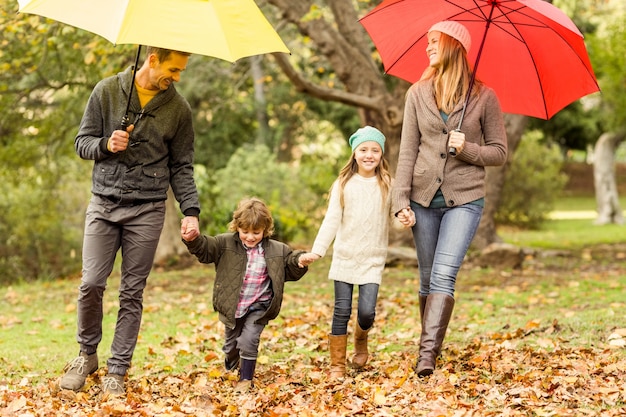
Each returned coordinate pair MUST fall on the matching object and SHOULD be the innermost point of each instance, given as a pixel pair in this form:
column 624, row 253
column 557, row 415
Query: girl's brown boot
column 360, row 347
column 337, row 347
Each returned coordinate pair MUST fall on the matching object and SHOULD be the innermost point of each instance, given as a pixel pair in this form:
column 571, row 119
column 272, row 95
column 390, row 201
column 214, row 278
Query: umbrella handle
column 451, row 150
column 125, row 122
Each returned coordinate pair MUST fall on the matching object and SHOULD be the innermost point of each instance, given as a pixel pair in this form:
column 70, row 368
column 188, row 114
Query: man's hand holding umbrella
column 119, row 139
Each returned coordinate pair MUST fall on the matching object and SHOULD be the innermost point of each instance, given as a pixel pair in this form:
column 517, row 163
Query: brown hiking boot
column 77, row 370
column 113, row 384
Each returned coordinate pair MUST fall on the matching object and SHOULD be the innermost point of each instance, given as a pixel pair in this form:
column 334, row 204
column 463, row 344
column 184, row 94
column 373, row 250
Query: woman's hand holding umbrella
column 456, row 142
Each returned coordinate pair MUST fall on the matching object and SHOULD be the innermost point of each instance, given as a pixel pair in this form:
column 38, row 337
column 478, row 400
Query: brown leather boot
column 437, row 313
column 337, row 347
column 360, row 347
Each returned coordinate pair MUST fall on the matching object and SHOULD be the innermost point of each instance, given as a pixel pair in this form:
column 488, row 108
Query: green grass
column 581, row 203
column 38, row 322
column 565, row 234
column 586, row 306
column 570, row 226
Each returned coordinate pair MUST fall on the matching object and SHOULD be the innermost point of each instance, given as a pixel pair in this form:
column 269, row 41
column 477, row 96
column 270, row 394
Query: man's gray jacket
column 160, row 151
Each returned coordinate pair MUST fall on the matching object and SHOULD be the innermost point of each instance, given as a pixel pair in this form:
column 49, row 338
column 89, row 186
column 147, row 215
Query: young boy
column 251, row 270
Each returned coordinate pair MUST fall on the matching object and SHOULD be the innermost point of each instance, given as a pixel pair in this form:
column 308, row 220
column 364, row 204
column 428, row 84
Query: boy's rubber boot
column 437, row 313
column 337, row 346
column 246, row 373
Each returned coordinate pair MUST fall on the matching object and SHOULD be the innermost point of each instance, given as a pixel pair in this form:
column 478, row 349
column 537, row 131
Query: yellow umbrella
column 225, row 29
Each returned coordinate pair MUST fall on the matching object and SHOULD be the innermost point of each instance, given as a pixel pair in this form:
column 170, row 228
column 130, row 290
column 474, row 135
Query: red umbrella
column 529, row 51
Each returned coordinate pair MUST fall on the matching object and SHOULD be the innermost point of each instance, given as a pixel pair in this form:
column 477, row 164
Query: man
column 133, row 169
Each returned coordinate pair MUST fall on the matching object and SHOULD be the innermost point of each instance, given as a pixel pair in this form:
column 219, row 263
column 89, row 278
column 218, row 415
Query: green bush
column 41, row 221
column 533, row 183
column 253, row 171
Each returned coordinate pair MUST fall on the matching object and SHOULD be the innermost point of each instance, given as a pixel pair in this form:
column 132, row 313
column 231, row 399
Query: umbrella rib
column 476, row 11
column 507, row 21
column 520, row 37
column 488, row 22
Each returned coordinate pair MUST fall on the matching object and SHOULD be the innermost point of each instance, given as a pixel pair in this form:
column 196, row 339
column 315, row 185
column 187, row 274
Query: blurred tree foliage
column 608, row 52
column 289, row 157
column 48, row 70
column 308, row 134
column 533, row 183
column 573, row 128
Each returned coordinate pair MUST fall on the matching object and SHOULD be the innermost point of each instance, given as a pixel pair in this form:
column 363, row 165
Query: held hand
column 456, row 141
column 412, row 219
column 189, row 228
column 118, row 141
column 307, row 259
column 406, row 216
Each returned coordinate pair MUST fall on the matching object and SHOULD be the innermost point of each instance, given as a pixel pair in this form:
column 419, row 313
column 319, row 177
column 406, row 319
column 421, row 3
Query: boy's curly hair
column 252, row 214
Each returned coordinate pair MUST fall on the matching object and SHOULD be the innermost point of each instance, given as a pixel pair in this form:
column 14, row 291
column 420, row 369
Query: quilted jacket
column 228, row 254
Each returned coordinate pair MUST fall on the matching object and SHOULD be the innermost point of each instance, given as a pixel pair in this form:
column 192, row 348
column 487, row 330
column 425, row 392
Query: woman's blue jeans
column 366, row 310
column 442, row 237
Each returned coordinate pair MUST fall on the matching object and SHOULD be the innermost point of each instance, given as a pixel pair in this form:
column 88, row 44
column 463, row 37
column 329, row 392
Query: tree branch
column 329, row 94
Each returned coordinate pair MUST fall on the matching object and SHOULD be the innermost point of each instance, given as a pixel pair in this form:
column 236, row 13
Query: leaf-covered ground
column 481, row 380
column 490, row 366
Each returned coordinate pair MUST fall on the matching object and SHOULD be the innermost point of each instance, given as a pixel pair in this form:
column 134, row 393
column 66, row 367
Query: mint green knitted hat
column 366, row 134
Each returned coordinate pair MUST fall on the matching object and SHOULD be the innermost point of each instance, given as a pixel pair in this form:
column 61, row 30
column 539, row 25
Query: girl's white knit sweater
column 360, row 232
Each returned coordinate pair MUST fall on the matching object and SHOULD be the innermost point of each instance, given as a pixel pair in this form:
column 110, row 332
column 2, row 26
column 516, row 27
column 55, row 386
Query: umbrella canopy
column 528, row 51
column 225, row 29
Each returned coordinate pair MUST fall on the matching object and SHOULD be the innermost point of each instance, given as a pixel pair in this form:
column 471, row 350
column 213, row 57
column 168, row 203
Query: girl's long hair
column 351, row 168
column 451, row 76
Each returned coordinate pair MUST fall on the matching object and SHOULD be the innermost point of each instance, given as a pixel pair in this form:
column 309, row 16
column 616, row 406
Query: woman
column 445, row 190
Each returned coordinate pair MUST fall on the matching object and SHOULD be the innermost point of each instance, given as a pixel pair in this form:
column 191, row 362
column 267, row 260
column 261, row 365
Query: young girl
column 251, row 270
column 357, row 219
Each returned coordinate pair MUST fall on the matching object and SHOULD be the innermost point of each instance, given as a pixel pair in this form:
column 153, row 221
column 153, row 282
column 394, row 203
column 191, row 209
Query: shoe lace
column 77, row 363
column 110, row 383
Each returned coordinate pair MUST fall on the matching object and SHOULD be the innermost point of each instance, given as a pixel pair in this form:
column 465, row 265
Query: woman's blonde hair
column 252, row 214
column 451, row 76
column 352, row 167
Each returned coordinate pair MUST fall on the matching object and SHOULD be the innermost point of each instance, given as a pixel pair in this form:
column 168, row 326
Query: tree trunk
column 494, row 182
column 170, row 246
column 607, row 198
